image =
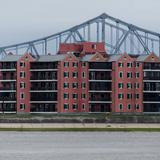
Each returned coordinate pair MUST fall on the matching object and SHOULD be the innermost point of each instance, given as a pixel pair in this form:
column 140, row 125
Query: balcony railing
column 154, row 66
column 43, row 88
column 7, row 88
column 43, row 108
column 42, row 65
column 43, row 78
column 100, row 65
column 151, row 97
column 101, row 86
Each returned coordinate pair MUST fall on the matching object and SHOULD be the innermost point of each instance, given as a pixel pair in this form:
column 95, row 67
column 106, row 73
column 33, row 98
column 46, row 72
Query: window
column 66, row 106
column 120, row 85
column 66, row 64
column 83, row 85
column 137, row 96
column 137, row 64
column 22, row 74
column 83, row 96
column 75, row 95
column 120, row 96
column 129, row 85
column 94, row 46
column 83, row 74
column 66, row 95
column 74, row 74
column 22, row 64
column 22, row 95
column 22, row 106
column 136, row 85
column 22, row 85
column 120, row 64
column 66, row 74
column 129, row 106
column 120, row 106
column 121, row 74
column 74, row 64
column 129, row 96
column 74, row 106
column 83, row 106
column 83, row 64
column 75, row 85
column 129, row 65
column 129, row 74
column 137, row 75
column 66, row 85
column 136, row 106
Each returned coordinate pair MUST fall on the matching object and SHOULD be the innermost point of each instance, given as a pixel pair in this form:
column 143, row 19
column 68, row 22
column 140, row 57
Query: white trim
column 151, row 102
column 151, row 80
column 151, row 91
column 44, row 112
column 7, row 90
column 7, row 70
column 43, row 101
column 100, row 102
column 43, row 80
column 9, row 112
column 100, row 80
column 100, row 70
column 8, row 101
column 43, row 70
column 43, row 91
column 7, row 80
column 99, row 91
column 151, row 70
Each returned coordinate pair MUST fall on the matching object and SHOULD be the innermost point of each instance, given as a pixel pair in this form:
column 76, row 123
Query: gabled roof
column 87, row 57
column 51, row 58
column 142, row 57
column 10, row 58
column 114, row 57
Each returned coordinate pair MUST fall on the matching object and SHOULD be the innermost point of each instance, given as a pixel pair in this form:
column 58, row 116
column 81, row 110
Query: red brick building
column 80, row 78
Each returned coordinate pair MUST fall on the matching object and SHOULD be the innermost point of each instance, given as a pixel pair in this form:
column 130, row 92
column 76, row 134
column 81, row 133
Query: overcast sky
column 23, row 20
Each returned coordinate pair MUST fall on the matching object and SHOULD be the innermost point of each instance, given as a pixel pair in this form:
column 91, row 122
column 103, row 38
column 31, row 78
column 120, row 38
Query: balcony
column 43, row 76
column 151, row 97
column 151, row 107
column 99, row 97
column 151, row 66
column 7, row 96
column 43, row 86
column 43, row 66
column 100, row 86
column 7, row 89
column 100, row 66
column 152, row 86
column 43, row 107
column 100, row 75
column 7, row 66
column 40, row 96
column 8, row 107
column 100, row 107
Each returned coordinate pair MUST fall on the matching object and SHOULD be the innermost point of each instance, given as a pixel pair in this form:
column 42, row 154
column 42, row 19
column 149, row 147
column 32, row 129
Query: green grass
column 82, row 129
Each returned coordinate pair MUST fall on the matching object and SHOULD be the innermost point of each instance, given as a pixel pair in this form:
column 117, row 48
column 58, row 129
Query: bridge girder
column 118, row 36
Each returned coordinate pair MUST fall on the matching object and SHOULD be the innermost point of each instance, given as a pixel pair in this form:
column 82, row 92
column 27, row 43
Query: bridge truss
column 118, row 36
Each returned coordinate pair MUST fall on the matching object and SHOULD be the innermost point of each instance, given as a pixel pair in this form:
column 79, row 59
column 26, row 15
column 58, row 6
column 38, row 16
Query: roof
column 114, row 57
column 10, row 58
column 87, row 57
column 142, row 57
column 51, row 58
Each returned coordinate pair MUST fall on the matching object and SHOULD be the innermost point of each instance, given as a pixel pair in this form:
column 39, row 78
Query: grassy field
column 81, row 129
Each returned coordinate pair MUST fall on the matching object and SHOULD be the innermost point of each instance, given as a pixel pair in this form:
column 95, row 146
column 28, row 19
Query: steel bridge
column 118, row 36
